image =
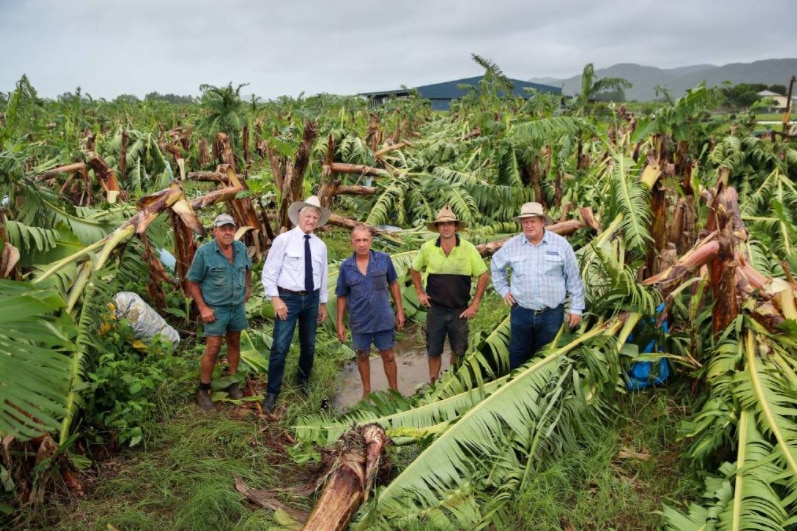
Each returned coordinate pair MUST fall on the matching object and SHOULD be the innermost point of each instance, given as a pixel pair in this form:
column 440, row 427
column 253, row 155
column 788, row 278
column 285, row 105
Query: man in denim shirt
column 363, row 283
column 544, row 271
column 220, row 281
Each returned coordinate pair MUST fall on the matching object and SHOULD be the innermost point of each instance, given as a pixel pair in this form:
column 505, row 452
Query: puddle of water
column 411, row 362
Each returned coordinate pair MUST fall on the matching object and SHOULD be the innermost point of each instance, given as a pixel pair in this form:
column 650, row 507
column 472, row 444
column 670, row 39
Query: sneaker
column 270, row 403
column 204, row 401
column 234, row 391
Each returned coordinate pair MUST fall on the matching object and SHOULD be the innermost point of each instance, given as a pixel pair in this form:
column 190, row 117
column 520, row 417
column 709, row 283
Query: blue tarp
column 648, row 373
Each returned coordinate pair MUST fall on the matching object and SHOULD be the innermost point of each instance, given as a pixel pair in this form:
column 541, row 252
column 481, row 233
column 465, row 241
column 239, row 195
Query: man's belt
column 546, row 310
column 291, row 292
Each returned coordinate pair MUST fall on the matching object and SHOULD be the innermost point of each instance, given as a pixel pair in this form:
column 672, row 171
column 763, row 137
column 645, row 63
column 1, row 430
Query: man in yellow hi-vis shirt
column 450, row 263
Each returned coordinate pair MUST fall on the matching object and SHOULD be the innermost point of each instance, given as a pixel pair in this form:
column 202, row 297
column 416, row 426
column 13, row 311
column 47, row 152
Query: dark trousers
column 304, row 309
column 531, row 331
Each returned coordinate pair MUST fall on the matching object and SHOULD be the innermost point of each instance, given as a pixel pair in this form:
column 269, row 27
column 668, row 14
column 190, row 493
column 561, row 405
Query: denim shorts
column 229, row 318
column 382, row 340
column 442, row 322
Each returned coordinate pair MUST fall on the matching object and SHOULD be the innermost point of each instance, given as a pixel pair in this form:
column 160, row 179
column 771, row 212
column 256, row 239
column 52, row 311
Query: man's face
column 533, row 228
column 224, row 235
column 361, row 242
column 447, row 229
column 308, row 219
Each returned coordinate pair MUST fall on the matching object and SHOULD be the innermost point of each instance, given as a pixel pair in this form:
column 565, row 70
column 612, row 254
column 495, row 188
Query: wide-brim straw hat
column 312, row 201
column 446, row 214
column 533, row 210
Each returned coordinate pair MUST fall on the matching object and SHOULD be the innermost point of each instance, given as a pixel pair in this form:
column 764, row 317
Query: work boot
column 270, row 403
column 234, row 391
column 204, row 400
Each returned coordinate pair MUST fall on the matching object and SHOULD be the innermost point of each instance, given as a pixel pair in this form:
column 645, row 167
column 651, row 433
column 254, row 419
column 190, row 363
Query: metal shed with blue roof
column 441, row 94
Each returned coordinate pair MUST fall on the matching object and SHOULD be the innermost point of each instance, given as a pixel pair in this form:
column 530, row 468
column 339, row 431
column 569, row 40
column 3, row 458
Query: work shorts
column 229, row 318
column 442, row 322
column 382, row 340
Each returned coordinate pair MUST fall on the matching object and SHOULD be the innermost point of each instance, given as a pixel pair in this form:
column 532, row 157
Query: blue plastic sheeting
column 167, row 259
column 648, row 373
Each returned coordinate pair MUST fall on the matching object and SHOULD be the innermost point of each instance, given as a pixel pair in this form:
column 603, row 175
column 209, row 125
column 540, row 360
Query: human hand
column 322, row 313
column 280, row 308
column 400, row 319
column 470, row 311
column 509, row 300
column 573, row 320
column 208, row 314
column 341, row 333
column 425, row 300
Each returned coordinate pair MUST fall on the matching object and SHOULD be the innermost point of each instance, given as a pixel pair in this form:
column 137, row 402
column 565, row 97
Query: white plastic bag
column 143, row 319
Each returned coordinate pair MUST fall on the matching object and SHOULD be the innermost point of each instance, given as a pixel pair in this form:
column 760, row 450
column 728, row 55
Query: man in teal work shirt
column 220, row 281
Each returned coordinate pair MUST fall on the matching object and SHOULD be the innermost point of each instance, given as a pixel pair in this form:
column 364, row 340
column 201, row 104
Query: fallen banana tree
column 482, row 443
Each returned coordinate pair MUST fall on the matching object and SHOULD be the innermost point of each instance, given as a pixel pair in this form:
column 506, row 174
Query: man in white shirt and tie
column 295, row 279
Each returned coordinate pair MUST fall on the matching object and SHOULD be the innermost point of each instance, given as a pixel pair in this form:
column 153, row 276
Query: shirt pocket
column 218, row 277
column 240, row 276
column 293, row 261
column 553, row 265
column 377, row 280
column 356, row 286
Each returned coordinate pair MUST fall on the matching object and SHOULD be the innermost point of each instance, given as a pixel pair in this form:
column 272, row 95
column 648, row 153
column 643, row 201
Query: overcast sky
column 113, row 47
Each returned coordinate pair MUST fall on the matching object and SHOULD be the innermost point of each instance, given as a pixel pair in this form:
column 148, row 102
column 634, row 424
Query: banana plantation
column 684, row 226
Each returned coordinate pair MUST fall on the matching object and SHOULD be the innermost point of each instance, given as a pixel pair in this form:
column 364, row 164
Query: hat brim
column 293, row 213
column 546, row 219
column 461, row 225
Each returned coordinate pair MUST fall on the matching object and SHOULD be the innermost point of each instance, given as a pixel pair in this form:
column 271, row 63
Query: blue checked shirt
column 542, row 275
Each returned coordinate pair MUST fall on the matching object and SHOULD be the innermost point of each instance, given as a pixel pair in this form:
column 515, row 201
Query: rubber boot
column 204, row 400
column 234, row 391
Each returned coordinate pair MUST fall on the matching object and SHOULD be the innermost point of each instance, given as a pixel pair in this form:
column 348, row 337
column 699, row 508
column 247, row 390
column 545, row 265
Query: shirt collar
column 440, row 240
column 543, row 240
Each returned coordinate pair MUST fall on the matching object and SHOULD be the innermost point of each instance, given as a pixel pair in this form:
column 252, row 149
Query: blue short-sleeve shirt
column 368, row 295
column 221, row 282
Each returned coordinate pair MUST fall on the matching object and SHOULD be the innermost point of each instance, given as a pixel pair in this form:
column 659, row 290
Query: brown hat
column 446, row 214
column 532, row 210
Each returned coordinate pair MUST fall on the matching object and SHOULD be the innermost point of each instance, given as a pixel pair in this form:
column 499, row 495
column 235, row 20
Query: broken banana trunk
column 350, row 478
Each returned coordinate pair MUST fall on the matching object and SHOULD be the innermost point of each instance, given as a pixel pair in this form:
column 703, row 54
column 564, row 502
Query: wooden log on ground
column 563, row 228
column 68, row 168
column 351, row 479
column 359, row 169
column 355, row 190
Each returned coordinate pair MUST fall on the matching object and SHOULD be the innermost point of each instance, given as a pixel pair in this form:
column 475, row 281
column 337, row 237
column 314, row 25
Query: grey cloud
column 350, row 46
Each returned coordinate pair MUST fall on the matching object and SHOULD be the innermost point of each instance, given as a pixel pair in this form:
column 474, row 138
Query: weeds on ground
column 620, row 481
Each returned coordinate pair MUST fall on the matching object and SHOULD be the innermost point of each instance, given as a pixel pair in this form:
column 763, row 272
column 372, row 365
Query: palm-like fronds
column 528, row 408
column 35, row 344
column 626, row 196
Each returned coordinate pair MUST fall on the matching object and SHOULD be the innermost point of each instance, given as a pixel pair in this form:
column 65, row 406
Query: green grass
column 620, row 481
column 182, row 476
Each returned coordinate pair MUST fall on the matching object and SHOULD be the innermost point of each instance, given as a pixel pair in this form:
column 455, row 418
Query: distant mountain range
column 679, row 80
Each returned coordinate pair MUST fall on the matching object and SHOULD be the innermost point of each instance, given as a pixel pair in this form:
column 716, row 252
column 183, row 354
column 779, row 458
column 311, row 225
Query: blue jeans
column 531, row 331
column 304, row 309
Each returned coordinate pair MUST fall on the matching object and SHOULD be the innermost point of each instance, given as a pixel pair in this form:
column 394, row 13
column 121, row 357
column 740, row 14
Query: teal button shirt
column 221, row 282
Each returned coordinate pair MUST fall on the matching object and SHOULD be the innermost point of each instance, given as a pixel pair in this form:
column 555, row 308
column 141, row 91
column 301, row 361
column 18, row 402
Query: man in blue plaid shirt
column 544, row 271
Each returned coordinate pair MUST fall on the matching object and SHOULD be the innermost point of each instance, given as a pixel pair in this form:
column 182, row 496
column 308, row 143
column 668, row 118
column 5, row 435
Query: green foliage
column 36, row 340
column 121, row 389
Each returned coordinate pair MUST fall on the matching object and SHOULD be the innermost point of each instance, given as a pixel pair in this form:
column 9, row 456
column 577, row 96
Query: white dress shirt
column 284, row 267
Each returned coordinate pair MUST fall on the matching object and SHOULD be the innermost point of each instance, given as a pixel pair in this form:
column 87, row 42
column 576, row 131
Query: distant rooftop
column 441, row 94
